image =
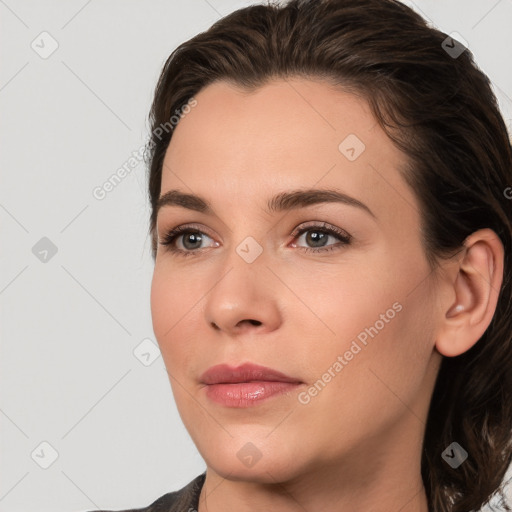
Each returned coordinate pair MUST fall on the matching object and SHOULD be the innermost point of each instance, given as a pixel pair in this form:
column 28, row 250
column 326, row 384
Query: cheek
column 171, row 310
column 163, row 304
column 346, row 298
column 378, row 319
column 172, row 306
column 374, row 384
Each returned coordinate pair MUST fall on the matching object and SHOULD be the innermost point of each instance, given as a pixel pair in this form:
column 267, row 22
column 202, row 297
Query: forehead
column 280, row 114
column 285, row 134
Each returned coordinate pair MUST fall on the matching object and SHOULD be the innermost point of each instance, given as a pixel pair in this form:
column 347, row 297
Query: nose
column 244, row 299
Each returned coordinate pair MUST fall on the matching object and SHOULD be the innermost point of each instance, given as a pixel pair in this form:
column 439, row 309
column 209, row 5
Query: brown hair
column 439, row 109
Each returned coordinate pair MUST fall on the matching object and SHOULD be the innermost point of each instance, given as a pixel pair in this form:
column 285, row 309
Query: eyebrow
column 283, row 201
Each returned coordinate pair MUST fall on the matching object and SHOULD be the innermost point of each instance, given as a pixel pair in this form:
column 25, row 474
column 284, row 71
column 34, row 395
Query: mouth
column 248, row 372
column 246, row 385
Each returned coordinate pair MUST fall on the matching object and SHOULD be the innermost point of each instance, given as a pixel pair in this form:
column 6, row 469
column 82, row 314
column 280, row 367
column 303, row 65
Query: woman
column 330, row 184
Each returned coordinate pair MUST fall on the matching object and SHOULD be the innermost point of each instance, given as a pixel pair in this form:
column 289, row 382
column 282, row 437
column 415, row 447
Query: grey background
column 71, row 327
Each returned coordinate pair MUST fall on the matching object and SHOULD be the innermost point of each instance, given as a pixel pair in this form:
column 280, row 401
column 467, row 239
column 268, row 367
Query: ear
column 476, row 283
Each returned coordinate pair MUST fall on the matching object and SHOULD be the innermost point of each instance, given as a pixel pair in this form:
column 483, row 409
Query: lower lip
column 247, row 394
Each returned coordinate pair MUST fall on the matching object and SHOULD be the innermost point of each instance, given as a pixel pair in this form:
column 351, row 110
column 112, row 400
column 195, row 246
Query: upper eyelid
column 319, row 224
column 296, row 232
column 302, row 225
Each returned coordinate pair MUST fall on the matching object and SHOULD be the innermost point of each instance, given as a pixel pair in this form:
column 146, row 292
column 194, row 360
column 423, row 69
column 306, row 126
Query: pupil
column 193, row 237
column 315, row 237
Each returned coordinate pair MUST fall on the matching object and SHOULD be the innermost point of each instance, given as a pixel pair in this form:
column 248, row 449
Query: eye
column 318, row 234
column 190, row 238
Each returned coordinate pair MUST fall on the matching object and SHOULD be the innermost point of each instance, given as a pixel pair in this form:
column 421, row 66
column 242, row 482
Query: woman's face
column 353, row 323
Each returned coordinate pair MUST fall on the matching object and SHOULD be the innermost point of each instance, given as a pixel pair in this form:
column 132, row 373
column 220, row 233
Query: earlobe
column 476, row 286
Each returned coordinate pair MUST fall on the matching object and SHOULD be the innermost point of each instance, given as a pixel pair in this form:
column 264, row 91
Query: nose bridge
column 243, row 271
column 248, row 242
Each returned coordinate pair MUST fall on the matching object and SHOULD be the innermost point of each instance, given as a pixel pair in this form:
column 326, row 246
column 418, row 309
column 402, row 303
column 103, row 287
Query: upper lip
column 223, row 373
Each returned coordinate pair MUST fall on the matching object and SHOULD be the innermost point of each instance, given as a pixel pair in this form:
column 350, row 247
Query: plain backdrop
column 87, row 417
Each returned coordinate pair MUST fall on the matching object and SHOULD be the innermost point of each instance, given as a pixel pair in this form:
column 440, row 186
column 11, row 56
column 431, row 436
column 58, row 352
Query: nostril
column 252, row 322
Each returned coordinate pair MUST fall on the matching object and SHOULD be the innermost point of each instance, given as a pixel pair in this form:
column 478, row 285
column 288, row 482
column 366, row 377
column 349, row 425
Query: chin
column 269, row 472
column 253, row 458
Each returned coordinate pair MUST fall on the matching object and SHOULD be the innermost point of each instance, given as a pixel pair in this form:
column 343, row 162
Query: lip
column 246, row 385
column 248, row 372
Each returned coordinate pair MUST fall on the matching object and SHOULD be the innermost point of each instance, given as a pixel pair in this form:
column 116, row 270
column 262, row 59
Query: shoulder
column 185, row 499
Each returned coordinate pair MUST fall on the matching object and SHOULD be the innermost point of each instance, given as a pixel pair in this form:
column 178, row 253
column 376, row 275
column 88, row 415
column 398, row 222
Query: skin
column 356, row 445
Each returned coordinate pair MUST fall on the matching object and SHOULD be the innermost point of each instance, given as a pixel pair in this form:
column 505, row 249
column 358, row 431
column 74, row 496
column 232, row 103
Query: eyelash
column 345, row 239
